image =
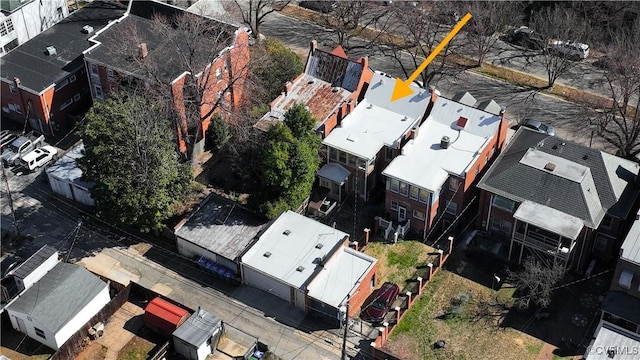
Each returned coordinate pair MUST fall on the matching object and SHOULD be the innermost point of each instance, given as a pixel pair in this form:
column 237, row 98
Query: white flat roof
column 425, row 164
column 563, row 168
column 608, row 337
column 550, row 219
column 340, row 275
column 479, row 122
column 334, row 172
column 631, row 244
column 307, row 241
column 376, row 121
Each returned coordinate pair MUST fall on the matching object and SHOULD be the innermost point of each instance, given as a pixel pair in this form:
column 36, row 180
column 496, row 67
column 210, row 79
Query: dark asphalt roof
column 222, row 227
column 36, row 69
column 34, row 262
column 56, row 298
column 167, row 46
column 509, row 178
column 622, row 305
column 198, row 328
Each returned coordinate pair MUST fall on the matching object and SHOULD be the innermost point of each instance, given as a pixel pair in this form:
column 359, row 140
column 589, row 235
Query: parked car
column 6, row 138
column 571, row 49
column 383, row 298
column 526, row 37
column 21, row 146
column 539, row 126
column 38, row 157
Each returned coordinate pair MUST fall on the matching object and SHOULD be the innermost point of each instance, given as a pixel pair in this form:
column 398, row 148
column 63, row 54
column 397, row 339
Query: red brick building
column 557, row 200
column 138, row 51
column 43, row 81
column 330, row 87
column 432, row 178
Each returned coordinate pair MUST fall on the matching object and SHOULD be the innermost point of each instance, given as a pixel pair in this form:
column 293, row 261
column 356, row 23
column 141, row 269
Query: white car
column 571, row 49
column 38, row 157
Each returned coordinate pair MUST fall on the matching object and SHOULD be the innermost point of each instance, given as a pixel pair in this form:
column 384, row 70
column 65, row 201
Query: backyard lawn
column 397, row 262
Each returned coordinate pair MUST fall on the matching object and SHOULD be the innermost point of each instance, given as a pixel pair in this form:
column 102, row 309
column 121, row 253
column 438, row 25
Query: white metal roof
column 334, row 172
column 340, row 276
column 479, row 122
column 550, row 219
column 376, row 121
column 608, row 337
column 631, row 244
column 307, row 241
column 66, row 168
column 425, row 164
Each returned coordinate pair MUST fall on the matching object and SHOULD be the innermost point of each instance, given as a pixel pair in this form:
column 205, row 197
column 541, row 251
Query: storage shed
column 65, row 178
column 198, row 336
column 164, row 317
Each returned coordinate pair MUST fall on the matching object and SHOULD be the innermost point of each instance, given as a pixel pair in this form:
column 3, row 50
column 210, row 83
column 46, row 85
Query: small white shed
column 198, row 337
column 65, row 177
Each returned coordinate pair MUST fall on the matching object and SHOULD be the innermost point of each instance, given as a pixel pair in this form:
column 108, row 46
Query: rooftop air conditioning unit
column 87, row 29
column 444, row 142
column 51, row 50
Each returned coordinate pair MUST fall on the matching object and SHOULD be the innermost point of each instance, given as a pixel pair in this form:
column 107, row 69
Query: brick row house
column 43, row 81
column 330, row 87
column 433, row 177
column 557, row 200
column 619, row 326
column 154, row 44
column 369, row 137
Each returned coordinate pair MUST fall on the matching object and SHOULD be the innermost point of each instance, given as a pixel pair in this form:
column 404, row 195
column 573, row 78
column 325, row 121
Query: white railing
column 386, row 225
column 402, row 230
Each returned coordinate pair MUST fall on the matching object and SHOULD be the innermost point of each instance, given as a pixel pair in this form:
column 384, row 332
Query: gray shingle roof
column 222, row 227
column 59, row 295
column 615, row 189
column 198, row 328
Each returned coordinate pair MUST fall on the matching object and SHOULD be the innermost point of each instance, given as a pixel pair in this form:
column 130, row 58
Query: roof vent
column 287, row 232
column 370, row 106
column 267, row 254
column 585, row 156
column 550, row 166
column 462, row 121
column 51, row 51
column 444, row 142
column 311, row 81
column 319, row 245
column 300, row 268
column 87, row 29
column 405, row 118
column 335, row 89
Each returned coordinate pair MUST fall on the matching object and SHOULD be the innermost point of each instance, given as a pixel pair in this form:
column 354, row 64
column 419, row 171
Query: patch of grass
column 398, row 262
column 136, row 349
column 534, row 348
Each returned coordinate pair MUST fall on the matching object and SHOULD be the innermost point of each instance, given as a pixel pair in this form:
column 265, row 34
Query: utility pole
column 346, row 329
column 13, row 211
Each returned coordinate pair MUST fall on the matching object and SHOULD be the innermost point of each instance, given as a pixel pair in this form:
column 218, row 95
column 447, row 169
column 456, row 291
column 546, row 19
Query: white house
column 307, row 264
column 59, row 304
column 65, row 178
column 21, row 20
column 197, row 337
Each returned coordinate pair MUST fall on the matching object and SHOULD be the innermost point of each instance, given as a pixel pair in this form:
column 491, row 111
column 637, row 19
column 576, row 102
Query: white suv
column 38, row 157
column 571, row 49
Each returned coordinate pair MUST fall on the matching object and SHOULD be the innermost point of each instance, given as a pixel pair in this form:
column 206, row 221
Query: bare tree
column 490, row 18
column 535, row 282
column 558, row 23
column 619, row 123
column 357, row 24
column 419, row 34
column 254, row 12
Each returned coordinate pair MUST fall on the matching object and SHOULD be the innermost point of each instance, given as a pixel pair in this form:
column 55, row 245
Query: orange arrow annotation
column 403, row 88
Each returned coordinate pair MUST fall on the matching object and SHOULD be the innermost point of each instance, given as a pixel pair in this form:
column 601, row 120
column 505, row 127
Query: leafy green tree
column 130, row 155
column 218, row 132
column 289, row 163
column 274, row 65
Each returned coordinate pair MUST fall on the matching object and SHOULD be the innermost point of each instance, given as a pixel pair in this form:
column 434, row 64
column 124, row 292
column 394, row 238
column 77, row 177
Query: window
column 500, row 225
column 342, row 157
column 15, row 107
column 98, row 92
column 600, row 244
column 60, row 13
column 9, row 24
column 418, row 214
column 94, row 69
column 388, row 155
column 607, row 221
column 424, row 196
column 394, row 205
column 66, row 104
column 3, row 29
column 625, row 279
column 353, row 161
column 76, row 97
column 414, row 192
column 110, row 74
column 452, row 208
column 12, row 88
column 404, row 188
column 72, row 78
column 333, row 154
column 39, row 332
column 395, row 185
column 503, row 203
column 218, row 74
column 62, row 84
column 454, row 183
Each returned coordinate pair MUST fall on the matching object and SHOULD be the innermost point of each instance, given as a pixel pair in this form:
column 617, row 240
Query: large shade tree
column 131, row 158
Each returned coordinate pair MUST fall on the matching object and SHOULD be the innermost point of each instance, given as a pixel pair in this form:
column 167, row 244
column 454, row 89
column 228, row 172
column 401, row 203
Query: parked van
column 572, row 50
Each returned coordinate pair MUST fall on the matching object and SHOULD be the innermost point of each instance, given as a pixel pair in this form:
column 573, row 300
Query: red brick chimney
column 434, row 93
